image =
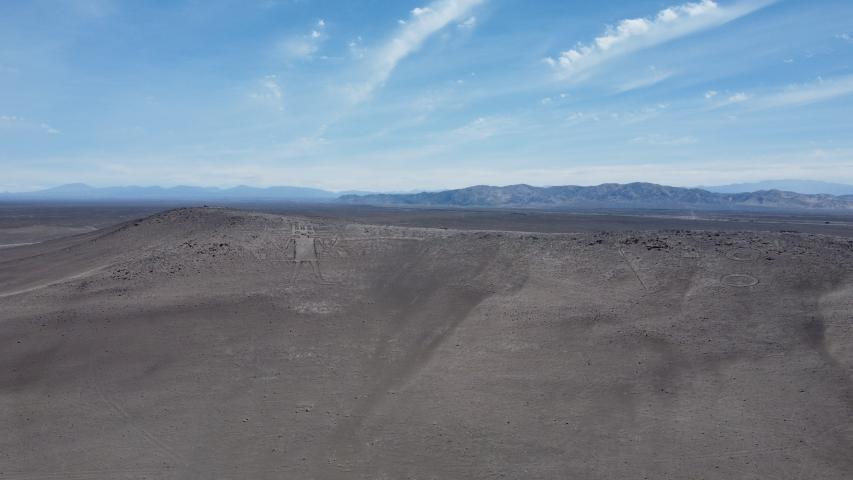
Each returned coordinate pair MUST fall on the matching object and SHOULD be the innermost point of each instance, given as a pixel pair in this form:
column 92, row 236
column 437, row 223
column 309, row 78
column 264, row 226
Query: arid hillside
column 209, row 343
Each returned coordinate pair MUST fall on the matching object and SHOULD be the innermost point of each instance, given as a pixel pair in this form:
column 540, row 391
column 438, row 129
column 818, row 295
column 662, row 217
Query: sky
column 398, row 95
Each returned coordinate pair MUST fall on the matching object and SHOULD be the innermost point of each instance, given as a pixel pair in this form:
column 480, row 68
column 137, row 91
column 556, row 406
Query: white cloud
column 298, row 47
column 424, row 22
column 793, row 95
column 303, row 46
column 657, row 140
column 269, row 92
column 356, row 49
column 634, row 34
column 723, row 99
column 844, row 36
column 738, row 97
column 620, row 118
column 815, row 92
column 48, row 129
column 15, row 122
column 482, row 128
column 468, row 24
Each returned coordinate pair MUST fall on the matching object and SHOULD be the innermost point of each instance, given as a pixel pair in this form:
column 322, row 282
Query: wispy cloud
column 356, row 48
column 468, row 24
column 14, row 122
column 790, row 96
column 482, row 128
column 738, row 97
column 303, row 46
column 615, row 117
column 9, row 120
column 657, row 140
column 716, row 99
column 269, row 92
column 48, row 129
column 805, row 94
column 633, row 34
column 422, row 23
column 652, row 77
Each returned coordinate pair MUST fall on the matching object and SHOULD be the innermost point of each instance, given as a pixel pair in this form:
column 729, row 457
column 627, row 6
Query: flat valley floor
column 323, row 343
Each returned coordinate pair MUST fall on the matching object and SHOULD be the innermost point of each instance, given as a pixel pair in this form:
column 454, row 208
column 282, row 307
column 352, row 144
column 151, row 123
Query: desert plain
column 358, row 343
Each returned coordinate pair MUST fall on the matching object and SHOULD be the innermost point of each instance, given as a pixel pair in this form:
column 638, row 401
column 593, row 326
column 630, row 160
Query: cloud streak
column 423, row 22
column 791, row 96
column 819, row 91
column 653, row 77
column 634, row 34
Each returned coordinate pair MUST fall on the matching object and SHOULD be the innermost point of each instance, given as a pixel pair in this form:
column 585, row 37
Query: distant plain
column 25, row 222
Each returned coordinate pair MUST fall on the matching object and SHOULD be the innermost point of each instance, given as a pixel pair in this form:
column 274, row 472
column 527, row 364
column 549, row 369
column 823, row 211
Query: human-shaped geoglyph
column 306, row 248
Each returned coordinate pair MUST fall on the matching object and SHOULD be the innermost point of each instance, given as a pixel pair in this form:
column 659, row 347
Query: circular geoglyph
column 739, row 280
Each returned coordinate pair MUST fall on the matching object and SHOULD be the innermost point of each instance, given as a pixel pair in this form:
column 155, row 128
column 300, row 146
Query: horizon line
column 402, row 191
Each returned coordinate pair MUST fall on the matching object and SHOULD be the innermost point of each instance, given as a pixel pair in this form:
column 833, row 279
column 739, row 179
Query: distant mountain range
column 83, row 192
column 608, row 195
column 812, row 187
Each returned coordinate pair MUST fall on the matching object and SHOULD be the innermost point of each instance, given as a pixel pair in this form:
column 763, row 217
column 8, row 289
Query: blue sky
column 400, row 95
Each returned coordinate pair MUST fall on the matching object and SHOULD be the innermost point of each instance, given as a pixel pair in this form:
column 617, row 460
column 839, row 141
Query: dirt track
column 202, row 350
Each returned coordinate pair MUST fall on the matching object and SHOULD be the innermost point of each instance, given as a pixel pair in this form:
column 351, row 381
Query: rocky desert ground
column 214, row 343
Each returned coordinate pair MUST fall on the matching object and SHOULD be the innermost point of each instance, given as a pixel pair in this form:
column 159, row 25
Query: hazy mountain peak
column 811, row 187
column 80, row 191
